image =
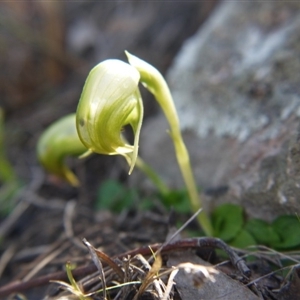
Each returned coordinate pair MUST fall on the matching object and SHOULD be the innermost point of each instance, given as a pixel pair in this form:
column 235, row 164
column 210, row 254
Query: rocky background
column 236, row 85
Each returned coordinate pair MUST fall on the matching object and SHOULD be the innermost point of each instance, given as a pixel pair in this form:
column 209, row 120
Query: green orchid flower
column 61, row 140
column 110, row 100
column 57, row 142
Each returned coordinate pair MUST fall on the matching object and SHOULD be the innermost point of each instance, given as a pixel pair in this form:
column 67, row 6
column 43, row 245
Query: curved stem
column 156, row 84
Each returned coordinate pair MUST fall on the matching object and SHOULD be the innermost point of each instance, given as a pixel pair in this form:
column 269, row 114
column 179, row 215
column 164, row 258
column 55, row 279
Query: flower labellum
column 110, row 100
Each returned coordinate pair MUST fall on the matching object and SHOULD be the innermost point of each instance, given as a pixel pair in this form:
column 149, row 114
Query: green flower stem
column 155, row 83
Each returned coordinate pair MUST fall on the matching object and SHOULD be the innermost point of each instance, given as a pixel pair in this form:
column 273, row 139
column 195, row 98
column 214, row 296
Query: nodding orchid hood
column 57, row 142
column 110, row 100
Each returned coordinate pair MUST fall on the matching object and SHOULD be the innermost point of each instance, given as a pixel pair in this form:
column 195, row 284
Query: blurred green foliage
column 114, row 196
column 9, row 183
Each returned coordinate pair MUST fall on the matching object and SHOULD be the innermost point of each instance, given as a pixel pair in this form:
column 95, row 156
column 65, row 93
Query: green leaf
column 262, row 232
column 227, row 221
column 288, row 229
column 243, row 239
column 112, row 195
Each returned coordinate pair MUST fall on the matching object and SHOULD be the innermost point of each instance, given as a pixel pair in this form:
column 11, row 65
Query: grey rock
column 236, row 85
column 222, row 287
